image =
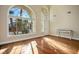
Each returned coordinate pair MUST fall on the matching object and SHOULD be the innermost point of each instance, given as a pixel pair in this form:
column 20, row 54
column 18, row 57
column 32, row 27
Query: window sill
column 22, row 34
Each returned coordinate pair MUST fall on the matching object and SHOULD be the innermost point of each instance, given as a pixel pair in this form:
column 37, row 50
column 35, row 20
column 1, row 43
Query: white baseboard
column 66, row 37
column 34, row 36
column 11, row 41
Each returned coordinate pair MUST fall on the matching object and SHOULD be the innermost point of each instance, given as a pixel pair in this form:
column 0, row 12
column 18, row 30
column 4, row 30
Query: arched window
column 20, row 21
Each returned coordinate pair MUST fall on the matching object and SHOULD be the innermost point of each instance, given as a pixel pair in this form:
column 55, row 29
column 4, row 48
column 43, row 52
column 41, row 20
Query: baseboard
column 11, row 41
column 74, row 38
column 35, row 36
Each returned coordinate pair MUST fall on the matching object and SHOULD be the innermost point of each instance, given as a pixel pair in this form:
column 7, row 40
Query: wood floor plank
column 42, row 45
column 34, row 47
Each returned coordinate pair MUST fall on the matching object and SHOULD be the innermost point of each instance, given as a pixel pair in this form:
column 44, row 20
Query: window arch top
column 20, row 12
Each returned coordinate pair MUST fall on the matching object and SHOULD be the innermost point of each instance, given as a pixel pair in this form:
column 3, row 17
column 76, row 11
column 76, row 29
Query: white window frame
column 33, row 25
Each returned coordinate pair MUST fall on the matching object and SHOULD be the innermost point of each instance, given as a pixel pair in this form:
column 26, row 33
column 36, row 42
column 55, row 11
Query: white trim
column 21, row 34
column 34, row 35
column 74, row 38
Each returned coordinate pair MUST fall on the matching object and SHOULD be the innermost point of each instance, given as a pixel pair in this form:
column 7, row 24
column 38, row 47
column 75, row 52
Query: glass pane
column 30, row 25
column 19, row 26
column 12, row 26
column 14, row 11
column 25, row 14
column 26, row 28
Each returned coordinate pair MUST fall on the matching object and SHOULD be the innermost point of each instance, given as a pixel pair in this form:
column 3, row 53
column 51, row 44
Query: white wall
column 3, row 24
column 60, row 19
column 37, row 10
column 0, row 25
column 4, row 38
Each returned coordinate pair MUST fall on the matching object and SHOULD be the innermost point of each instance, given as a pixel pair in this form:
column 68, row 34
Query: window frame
column 9, row 16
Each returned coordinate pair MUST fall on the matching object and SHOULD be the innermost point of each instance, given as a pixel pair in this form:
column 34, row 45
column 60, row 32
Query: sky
column 17, row 12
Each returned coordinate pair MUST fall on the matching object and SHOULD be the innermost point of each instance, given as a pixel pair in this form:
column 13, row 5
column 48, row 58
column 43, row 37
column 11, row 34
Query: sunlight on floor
column 26, row 49
column 34, row 47
column 14, row 50
column 30, row 48
column 59, row 45
column 3, row 50
column 40, row 46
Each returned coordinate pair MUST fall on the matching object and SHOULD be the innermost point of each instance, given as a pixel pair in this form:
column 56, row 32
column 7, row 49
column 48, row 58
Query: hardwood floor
column 42, row 45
